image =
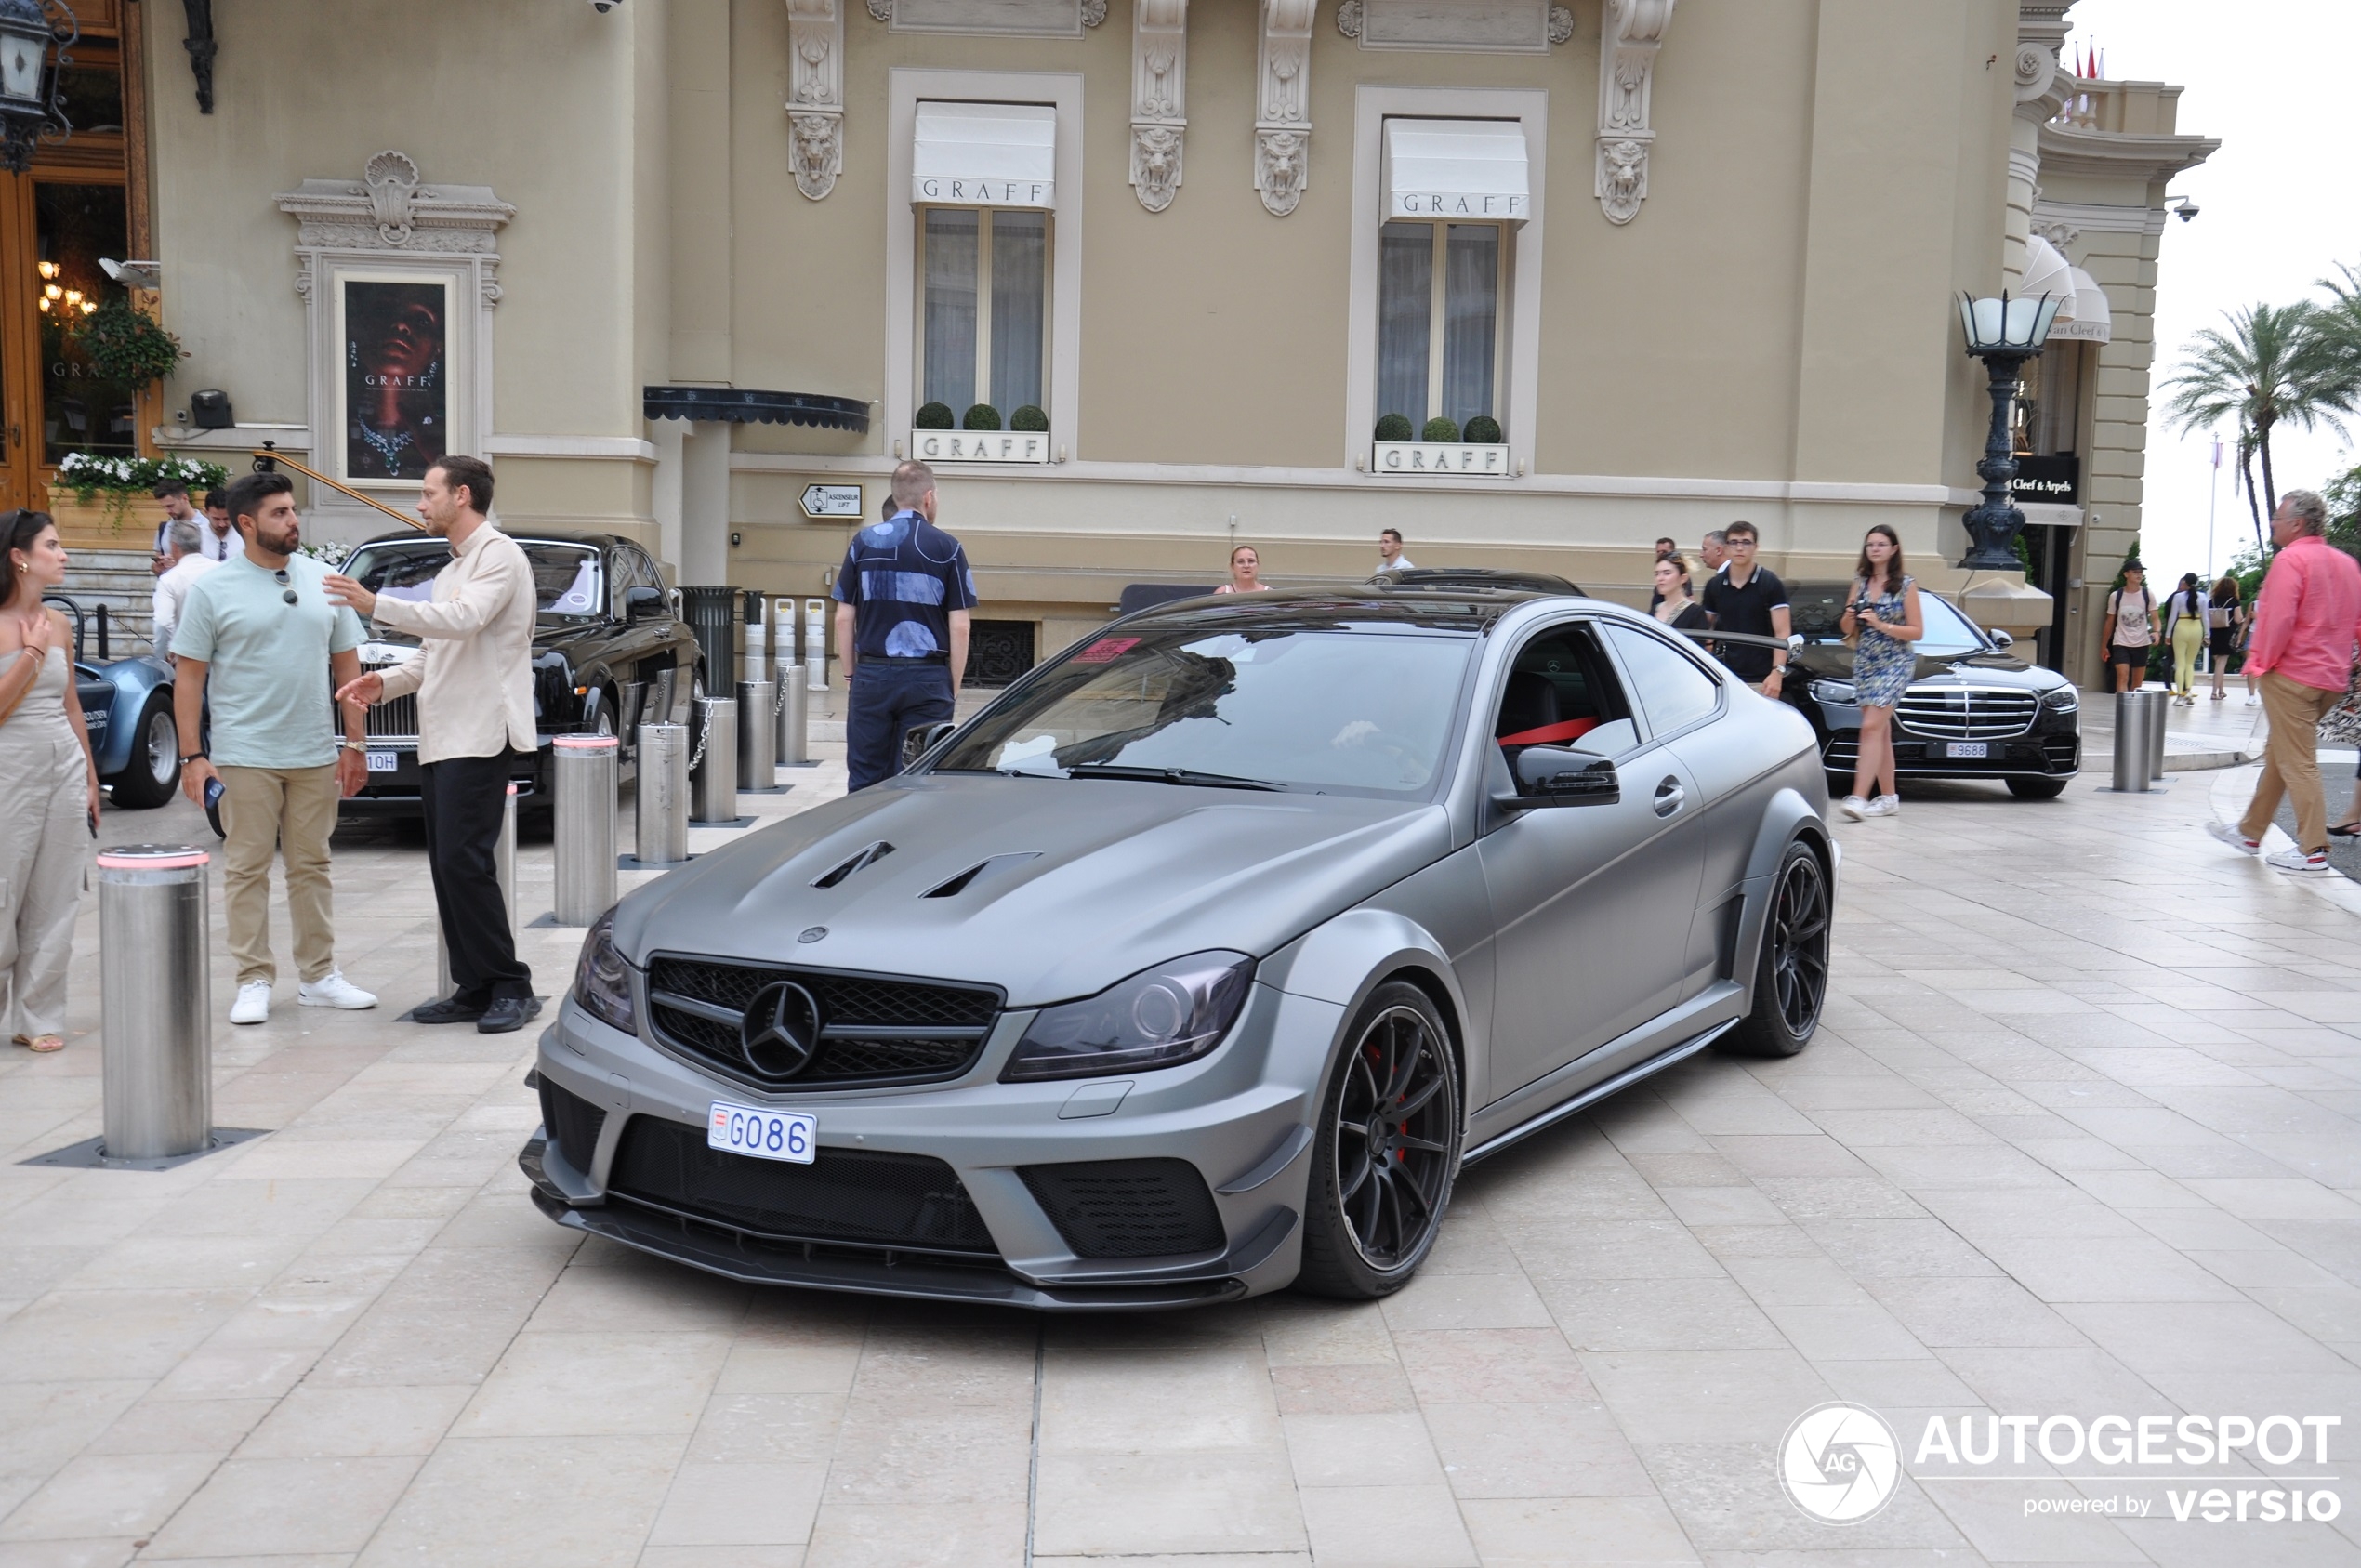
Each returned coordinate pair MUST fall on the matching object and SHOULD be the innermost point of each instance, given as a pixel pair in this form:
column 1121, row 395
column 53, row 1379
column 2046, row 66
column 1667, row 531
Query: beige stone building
column 700, row 270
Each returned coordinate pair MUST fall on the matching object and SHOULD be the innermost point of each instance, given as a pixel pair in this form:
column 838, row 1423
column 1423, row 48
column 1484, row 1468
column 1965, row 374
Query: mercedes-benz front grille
column 1968, row 713
column 867, row 1030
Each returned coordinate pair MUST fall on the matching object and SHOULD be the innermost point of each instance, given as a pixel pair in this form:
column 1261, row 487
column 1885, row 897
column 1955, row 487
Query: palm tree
column 2274, row 364
column 2339, row 321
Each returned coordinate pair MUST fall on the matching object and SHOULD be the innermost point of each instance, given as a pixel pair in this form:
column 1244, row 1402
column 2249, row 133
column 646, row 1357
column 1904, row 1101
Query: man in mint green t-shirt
column 259, row 635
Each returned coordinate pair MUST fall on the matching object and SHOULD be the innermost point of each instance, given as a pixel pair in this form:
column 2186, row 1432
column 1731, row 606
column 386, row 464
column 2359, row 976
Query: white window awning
column 984, row 155
column 2045, row 272
column 2086, row 318
column 1469, row 169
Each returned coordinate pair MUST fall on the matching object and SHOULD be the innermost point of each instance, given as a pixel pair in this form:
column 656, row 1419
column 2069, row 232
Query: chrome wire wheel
column 1393, row 1136
column 1799, row 945
column 162, row 747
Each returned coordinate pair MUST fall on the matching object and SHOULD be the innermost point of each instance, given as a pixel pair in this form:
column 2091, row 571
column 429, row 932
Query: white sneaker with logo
column 1852, row 806
column 1884, row 806
column 331, row 990
column 2229, row 834
column 2293, row 859
column 252, row 1005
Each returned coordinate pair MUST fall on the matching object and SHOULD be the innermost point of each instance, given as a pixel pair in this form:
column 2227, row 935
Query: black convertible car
column 608, row 649
column 1974, row 710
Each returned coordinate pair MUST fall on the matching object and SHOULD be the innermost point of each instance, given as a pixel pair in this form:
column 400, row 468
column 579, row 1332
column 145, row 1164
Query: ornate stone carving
column 1093, row 12
column 815, row 93
column 1633, row 31
column 1349, row 19
column 392, row 179
column 2058, row 232
column 1159, row 98
column 389, row 209
column 1283, row 104
column 882, row 10
column 1561, row 25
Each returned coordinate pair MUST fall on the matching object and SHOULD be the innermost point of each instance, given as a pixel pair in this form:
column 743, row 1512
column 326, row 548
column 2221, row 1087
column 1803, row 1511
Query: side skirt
column 1597, row 1092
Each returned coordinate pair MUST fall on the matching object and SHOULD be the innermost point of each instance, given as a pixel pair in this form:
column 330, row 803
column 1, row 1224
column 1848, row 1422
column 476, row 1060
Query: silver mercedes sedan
column 1199, row 962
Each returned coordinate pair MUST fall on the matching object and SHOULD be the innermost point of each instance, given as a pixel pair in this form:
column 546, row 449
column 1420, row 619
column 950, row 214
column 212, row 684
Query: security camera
column 2185, row 210
column 133, row 274
column 603, row 7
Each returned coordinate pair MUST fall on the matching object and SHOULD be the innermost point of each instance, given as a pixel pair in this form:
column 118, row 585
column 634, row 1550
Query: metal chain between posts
column 704, row 732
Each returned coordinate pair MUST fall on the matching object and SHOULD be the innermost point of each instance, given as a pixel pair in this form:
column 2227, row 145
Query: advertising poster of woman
column 396, row 384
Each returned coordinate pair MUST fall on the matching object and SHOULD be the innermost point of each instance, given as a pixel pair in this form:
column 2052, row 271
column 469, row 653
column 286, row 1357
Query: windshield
column 566, row 580
column 1816, row 609
column 1301, row 707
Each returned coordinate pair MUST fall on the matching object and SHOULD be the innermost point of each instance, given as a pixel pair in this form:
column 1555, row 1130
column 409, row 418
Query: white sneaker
column 252, row 1005
column 1853, row 807
column 2293, row 859
column 1884, row 806
column 2229, row 834
column 331, row 990
column 2253, row 701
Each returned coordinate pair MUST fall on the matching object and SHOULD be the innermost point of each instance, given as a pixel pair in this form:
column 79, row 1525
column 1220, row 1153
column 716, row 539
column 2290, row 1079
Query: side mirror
column 922, row 738
column 2000, row 639
column 1549, row 775
column 642, row 604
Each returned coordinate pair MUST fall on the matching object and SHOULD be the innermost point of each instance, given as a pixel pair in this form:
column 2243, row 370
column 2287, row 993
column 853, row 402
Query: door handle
column 1669, row 797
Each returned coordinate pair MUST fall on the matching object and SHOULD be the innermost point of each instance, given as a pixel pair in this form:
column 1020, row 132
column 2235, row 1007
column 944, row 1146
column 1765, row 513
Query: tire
column 154, row 773
column 1791, row 976
column 2037, row 789
column 1369, row 1224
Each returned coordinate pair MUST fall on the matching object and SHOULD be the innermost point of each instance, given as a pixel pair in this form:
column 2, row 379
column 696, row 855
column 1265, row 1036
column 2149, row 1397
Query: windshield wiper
column 1167, row 775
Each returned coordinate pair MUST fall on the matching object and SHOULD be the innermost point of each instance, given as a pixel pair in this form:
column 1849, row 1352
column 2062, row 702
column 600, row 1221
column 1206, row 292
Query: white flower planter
column 1392, row 458
column 980, row 446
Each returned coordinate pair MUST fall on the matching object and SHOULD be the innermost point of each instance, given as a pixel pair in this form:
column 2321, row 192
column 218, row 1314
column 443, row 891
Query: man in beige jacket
column 474, row 675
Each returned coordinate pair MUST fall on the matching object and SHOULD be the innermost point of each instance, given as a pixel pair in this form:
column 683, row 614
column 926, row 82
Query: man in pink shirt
column 2305, row 625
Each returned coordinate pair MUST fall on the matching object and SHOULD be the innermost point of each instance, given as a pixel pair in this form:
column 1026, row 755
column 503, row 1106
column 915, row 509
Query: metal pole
column 662, row 817
column 794, row 746
column 815, row 643
column 504, row 866
column 585, row 767
column 713, row 787
column 155, row 1001
column 2160, row 710
column 2134, row 717
column 757, row 737
column 757, row 657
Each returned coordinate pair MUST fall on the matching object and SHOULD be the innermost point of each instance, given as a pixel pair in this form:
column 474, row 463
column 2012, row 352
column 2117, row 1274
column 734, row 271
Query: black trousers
column 465, row 798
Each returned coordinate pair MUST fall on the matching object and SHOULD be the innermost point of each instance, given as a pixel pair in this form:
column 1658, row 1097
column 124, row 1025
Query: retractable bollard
column 713, row 783
column 2137, row 739
column 2162, row 705
column 662, row 817
column 155, row 1001
column 794, row 748
column 586, row 767
column 815, row 643
column 504, row 866
column 757, row 737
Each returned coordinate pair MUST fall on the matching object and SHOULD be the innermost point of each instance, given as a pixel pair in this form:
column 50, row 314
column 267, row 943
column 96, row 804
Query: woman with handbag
column 2185, row 634
column 47, row 777
column 1883, row 614
column 2221, row 622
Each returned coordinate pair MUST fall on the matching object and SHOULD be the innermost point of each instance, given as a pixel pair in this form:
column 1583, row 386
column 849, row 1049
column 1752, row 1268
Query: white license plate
column 385, row 761
column 766, row 1135
column 1977, row 750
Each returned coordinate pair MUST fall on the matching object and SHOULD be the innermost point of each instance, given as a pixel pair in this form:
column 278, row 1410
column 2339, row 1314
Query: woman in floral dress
column 1883, row 613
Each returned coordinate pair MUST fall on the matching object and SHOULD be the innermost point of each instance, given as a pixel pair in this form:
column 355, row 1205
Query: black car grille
column 871, row 1031
column 910, row 1203
column 1967, row 713
column 396, row 719
column 573, row 1124
column 1127, row 1208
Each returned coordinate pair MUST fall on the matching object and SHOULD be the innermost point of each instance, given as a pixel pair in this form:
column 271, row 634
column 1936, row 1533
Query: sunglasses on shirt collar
column 287, row 591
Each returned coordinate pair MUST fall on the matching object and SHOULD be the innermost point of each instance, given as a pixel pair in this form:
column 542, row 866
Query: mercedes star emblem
column 781, row 1029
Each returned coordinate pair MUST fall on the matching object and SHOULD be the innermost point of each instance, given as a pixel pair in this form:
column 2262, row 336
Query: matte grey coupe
column 1200, row 961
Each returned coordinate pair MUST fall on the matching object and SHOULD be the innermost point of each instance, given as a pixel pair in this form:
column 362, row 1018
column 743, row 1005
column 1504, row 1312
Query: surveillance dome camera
column 2186, row 210
column 603, row 7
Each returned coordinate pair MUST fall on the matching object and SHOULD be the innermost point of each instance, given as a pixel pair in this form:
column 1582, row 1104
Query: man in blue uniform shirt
column 902, row 597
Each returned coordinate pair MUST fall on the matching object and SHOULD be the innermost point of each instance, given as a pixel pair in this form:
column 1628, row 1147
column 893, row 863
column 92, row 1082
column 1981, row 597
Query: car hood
column 1115, row 877
column 1833, row 661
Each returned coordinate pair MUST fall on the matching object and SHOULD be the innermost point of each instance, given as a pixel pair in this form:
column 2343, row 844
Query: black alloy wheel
column 1792, row 977
column 1387, row 1151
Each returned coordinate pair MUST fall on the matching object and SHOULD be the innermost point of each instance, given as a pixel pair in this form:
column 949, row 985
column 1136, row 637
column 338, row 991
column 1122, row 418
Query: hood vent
column 983, row 870
column 862, row 858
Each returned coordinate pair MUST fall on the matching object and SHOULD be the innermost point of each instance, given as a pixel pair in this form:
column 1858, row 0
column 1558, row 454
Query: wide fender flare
column 1345, row 959
column 133, row 680
column 1787, row 818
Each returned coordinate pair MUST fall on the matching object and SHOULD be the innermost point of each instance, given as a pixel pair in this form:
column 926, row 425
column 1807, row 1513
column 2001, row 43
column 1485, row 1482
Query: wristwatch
column 194, row 757
column 353, row 745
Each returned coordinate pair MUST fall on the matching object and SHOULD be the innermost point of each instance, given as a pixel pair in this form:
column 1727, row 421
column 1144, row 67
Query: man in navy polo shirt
column 902, row 597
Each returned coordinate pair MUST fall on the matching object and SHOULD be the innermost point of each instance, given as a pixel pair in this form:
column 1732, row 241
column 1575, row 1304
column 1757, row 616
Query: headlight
column 2061, row 699
column 602, row 981
column 1835, row 694
column 1173, row 1014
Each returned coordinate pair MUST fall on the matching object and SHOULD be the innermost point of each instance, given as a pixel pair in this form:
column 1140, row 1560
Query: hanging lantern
column 34, row 36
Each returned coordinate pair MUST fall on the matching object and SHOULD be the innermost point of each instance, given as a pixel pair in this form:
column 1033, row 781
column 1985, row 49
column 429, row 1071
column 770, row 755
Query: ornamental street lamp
column 2003, row 333
column 34, row 36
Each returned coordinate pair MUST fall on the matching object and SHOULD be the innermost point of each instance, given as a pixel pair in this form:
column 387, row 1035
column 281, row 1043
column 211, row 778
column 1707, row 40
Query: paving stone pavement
column 2078, row 1138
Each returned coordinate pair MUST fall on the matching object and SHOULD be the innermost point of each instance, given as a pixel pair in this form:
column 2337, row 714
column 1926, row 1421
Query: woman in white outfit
column 48, row 779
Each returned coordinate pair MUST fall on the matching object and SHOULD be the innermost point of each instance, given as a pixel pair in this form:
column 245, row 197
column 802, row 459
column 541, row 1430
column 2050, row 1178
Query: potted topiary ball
column 1441, row 429
column 934, row 416
column 1029, row 418
column 982, row 416
column 1396, row 427
column 1485, row 430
